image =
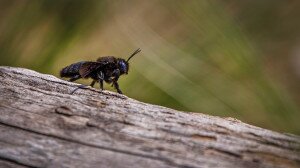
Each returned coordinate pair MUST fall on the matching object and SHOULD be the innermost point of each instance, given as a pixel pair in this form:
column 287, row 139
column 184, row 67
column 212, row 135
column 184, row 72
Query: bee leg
column 74, row 78
column 84, row 86
column 93, row 83
column 79, row 87
column 116, row 85
column 101, row 84
column 101, row 78
column 116, row 74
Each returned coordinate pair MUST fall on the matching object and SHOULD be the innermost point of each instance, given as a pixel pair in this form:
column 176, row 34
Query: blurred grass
column 196, row 55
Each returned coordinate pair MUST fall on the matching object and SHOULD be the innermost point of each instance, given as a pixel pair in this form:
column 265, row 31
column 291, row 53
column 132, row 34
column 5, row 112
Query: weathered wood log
column 43, row 125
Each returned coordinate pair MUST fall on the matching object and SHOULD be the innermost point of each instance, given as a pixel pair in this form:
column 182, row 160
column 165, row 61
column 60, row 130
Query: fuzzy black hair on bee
column 107, row 68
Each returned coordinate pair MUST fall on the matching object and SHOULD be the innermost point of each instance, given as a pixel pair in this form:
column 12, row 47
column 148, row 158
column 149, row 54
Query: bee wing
column 88, row 67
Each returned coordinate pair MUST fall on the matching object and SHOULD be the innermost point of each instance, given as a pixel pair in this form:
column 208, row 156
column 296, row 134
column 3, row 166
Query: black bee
column 107, row 69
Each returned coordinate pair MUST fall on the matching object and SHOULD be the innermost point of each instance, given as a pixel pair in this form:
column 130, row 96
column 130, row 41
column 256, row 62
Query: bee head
column 124, row 65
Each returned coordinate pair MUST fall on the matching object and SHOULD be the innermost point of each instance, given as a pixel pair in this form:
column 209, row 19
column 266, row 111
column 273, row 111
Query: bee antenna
column 134, row 53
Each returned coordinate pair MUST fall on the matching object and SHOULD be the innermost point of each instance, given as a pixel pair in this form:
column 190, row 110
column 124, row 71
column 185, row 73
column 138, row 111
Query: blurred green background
column 227, row 58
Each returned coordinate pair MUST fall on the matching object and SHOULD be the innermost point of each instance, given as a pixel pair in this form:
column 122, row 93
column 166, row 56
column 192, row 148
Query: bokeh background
column 227, row 58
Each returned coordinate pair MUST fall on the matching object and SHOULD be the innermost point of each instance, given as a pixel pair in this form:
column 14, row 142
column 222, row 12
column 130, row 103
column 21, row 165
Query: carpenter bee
column 108, row 69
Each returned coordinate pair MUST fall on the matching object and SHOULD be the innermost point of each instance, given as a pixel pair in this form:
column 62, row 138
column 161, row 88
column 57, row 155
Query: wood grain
column 43, row 125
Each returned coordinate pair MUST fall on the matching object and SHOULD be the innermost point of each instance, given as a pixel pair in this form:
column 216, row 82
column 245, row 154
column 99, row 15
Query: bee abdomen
column 71, row 70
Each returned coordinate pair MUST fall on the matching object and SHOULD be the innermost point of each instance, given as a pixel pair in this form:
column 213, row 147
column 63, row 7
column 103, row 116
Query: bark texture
column 43, row 125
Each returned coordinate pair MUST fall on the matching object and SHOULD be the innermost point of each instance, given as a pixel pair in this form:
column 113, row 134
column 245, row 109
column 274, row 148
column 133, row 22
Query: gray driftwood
column 43, row 125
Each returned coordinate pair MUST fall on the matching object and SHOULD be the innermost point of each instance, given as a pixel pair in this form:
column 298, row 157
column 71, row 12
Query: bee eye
column 123, row 67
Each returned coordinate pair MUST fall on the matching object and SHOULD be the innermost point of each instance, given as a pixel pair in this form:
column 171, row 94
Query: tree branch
column 43, row 125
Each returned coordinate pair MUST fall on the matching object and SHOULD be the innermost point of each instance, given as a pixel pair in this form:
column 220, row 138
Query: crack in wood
column 11, row 160
column 215, row 151
column 168, row 161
